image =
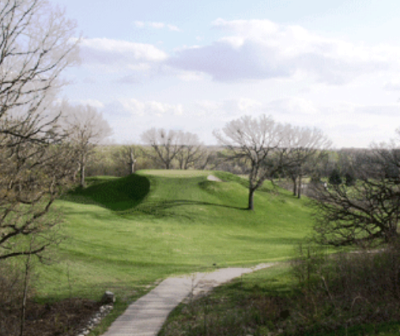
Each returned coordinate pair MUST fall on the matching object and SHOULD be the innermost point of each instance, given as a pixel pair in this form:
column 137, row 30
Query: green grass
column 125, row 233
column 242, row 307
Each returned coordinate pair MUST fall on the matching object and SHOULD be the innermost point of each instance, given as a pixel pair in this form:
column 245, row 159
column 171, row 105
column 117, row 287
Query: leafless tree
column 35, row 47
column 207, row 159
column 32, row 175
column 166, row 145
column 192, row 152
column 86, row 128
column 301, row 146
column 254, row 140
column 36, row 44
column 127, row 157
column 368, row 212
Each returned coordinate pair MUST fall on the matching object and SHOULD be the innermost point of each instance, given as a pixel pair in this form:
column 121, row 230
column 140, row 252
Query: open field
column 124, row 234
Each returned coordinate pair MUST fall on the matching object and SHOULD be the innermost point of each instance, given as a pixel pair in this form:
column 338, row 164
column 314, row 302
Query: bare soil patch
column 64, row 318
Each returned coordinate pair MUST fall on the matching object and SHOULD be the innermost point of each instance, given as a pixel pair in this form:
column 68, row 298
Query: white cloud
column 156, row 25
column 393, row 86
column 134, row 107
column 228, row 109
column 292, row 106
column 284, row 109
column 173, row 28
column 139, row 24
column 92, row 102
column 261, row 49
column 347, row 124
column 120, row 53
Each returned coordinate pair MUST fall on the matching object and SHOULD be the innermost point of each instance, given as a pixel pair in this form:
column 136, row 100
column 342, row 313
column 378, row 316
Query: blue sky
column 194, row 65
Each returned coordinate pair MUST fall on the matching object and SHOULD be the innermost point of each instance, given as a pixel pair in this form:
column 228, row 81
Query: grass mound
column 124, row 234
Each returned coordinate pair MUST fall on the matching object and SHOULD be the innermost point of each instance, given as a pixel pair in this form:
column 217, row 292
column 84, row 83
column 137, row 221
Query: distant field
column 125, row 233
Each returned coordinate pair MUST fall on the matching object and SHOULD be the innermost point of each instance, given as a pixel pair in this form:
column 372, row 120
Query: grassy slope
column 126, row 233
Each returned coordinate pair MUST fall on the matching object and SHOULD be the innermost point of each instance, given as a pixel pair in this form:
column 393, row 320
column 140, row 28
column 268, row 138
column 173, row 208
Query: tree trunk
column 294, row 180
column 132, row 161
column 251, row 199
column 132, row 165
column 299, row 188
column 25, row 293
column 82, row 175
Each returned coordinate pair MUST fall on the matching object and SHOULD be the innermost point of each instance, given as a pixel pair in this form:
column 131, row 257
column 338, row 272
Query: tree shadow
column 118, row 194
column 126, row 196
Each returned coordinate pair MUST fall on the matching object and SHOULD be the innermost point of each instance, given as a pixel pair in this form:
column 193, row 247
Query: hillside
column 125, row 233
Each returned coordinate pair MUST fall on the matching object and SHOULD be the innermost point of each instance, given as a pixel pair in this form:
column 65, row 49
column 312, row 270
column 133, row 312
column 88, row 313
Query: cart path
column 146, row 316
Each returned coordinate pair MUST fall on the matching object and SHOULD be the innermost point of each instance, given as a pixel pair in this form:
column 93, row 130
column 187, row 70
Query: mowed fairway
column 125, row 233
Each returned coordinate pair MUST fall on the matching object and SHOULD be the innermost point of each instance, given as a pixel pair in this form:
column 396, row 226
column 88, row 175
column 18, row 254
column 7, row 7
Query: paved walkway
column 146, row 316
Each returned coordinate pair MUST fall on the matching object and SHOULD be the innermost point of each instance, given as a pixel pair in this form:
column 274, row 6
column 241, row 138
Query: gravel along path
column 146, row 316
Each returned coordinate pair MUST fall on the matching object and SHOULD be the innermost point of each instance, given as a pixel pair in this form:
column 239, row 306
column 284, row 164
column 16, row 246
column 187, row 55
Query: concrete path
column 146, row 316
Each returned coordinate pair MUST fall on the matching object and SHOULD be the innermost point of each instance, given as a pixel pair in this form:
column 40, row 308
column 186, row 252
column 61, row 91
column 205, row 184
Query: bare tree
column 301, row 146
column 207, row 159
column 253, row 139
column 165, row 144
column 192, row 152
column 127, row 157
column 368, row 212
column 36, row 45
column 32, row 175
column 87, row 128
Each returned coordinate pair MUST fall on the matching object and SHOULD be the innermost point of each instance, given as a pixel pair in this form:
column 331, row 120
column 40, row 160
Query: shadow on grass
column 117, row 194
column 126, row 195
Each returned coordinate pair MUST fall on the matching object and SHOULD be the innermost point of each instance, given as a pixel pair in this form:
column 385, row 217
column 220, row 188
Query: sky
column 196, row 65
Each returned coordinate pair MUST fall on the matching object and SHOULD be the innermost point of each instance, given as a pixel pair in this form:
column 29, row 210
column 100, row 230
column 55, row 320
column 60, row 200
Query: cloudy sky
column 194, row 65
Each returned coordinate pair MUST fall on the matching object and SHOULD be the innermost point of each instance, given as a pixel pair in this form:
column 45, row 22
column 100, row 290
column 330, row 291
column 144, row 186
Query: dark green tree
column 350, row 180
column 335, row 178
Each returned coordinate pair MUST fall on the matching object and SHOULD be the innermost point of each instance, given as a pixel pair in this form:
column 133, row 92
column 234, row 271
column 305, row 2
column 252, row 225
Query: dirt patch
column 64, row 318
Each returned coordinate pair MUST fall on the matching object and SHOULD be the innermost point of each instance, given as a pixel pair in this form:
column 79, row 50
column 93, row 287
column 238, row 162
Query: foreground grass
column 254, row 305
column 240, row 307
column 124, row 234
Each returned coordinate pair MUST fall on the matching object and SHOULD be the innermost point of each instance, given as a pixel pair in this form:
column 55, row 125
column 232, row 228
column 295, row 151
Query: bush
column 345, row 289
column 11, row 291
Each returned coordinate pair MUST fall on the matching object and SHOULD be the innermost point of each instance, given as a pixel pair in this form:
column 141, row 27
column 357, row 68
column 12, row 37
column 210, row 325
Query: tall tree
column 192, row 150
column 87, row 128
column 127, row 156
column 166, row 145
column 254, row 140
column 36, row 45
column 302, row 144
